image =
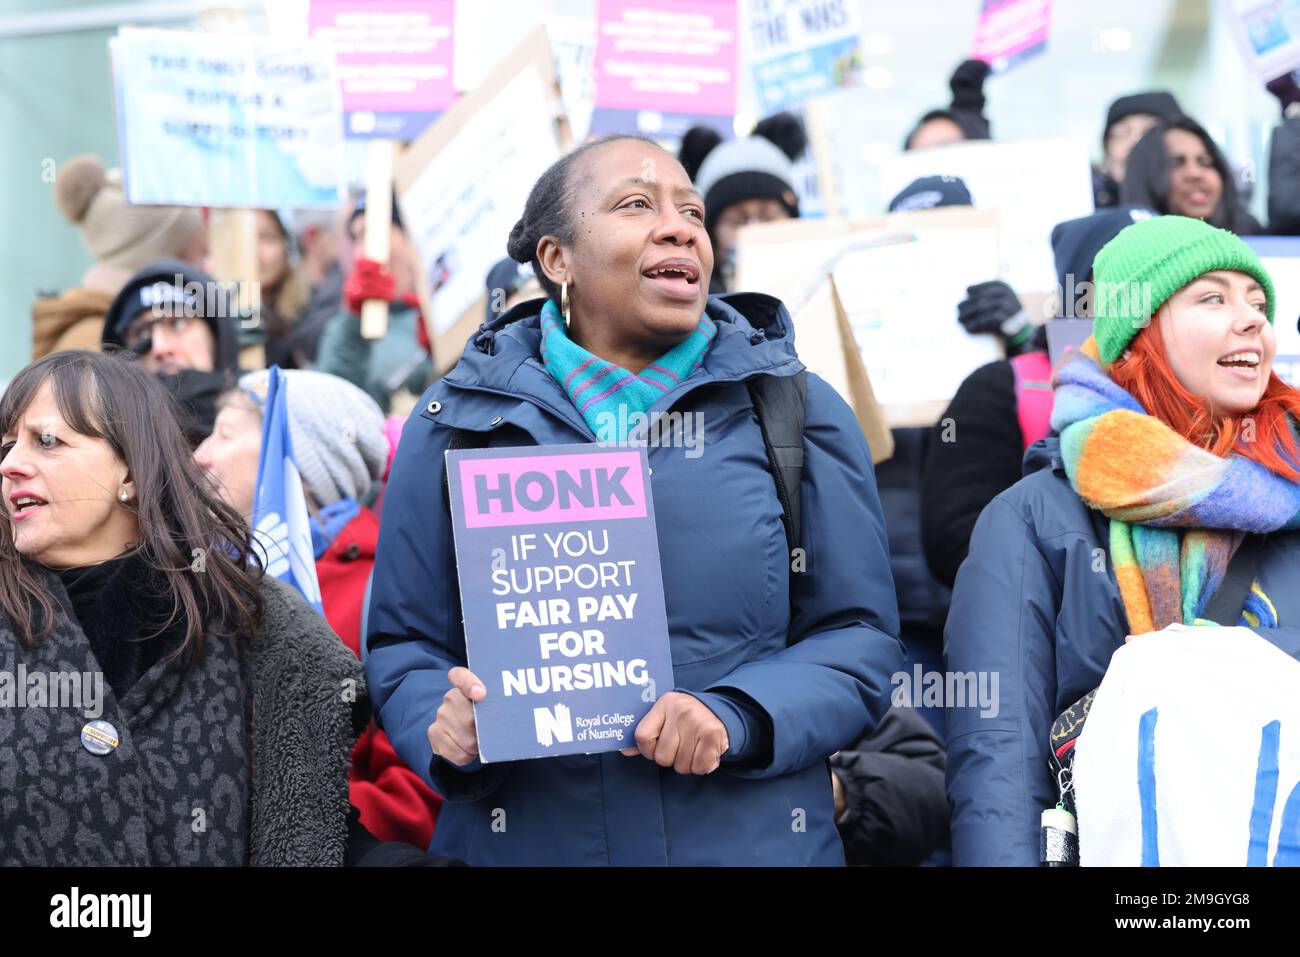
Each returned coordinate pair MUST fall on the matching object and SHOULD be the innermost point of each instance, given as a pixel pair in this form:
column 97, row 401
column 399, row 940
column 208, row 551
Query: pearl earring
column 124, row 495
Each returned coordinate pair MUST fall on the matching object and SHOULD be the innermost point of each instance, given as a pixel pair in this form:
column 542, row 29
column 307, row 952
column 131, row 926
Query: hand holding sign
column 682, row 733
column 453, row 734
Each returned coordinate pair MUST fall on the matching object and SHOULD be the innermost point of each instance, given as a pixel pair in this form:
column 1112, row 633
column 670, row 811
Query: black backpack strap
column 1226, row 605
column 461, row 439
column 468, row 439
column 781, row 403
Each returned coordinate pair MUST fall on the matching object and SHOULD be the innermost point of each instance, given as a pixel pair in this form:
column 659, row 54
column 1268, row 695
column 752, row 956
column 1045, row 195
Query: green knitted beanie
column 1146, row 263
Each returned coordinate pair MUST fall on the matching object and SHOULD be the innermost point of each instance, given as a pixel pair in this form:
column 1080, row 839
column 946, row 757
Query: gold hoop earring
column 564, row 301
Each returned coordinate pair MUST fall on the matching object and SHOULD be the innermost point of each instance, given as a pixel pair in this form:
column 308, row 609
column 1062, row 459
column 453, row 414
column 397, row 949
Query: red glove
column 368, row 280
column 421, row 331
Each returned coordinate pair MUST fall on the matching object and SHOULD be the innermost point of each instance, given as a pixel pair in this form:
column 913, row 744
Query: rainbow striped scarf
column 1177, row 512
column 598, row 388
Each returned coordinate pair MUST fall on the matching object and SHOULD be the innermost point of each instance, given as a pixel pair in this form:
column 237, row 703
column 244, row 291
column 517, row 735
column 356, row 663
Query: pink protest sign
column 527, row 488
column 394, row 62
column 1010, row 31
column 664, row 65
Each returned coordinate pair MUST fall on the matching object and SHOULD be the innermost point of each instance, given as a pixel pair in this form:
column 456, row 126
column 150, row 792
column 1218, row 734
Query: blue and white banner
column 798, row 49
column 239, row 121
column 281, row 525
column 1191, row 754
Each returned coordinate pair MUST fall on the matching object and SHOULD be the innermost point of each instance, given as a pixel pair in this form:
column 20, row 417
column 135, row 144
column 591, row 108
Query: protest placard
column 1280, row 255
column 227, row 120
column 394, row 62
column 562, row 596
column 800, row 48
column 900, row 279
column 462, row 185
column 1268, row 32
column 1033, row 185
column 663, row 66
column 1011, row 31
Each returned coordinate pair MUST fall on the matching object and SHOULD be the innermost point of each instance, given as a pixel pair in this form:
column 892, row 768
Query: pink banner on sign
column 1010, row 30
column 394, row 56
column 546, row 489
column 668, row 56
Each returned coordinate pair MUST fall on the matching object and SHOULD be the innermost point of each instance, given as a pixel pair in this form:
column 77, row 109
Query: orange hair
column 1144, row 372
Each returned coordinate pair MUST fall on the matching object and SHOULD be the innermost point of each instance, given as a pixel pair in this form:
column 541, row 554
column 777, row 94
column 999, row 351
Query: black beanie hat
column 175, row 283
column 1158, row 103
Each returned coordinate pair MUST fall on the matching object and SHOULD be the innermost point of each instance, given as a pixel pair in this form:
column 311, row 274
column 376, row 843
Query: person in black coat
column 1284, row 160
column 962, row 476
column 890, row 805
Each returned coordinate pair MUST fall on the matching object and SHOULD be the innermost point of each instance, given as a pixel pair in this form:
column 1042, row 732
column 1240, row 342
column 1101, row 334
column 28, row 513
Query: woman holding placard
column 774, row 670
column 1173, row 444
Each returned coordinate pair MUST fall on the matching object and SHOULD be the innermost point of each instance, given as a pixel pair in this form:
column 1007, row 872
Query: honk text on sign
column 562, row 596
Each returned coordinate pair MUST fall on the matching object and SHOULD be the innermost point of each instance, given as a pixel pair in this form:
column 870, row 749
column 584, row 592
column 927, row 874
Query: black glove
column 993, row 307
column 1287, row 89
column 967, row 85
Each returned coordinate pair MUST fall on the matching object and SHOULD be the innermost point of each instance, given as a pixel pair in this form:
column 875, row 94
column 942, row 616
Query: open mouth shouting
column 23, row 504
column 1243, row 364
column 675, row 278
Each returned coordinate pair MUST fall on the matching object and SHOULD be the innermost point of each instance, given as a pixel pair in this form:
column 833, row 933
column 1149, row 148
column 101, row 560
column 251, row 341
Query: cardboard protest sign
column 1268, row 32
column 227, row 120
column 1280, row 255
column 822, row 334
column 663, row 66
column 1033, row 185
column 394, row 62
column 573, row 42
column 1010, row 31
column 900, row 304
column 1162, row 778
column 800, row 48
column 562, row 596
column 462, row 186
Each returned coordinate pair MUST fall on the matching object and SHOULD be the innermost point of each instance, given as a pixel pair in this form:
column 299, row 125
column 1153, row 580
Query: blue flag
column 281, row 526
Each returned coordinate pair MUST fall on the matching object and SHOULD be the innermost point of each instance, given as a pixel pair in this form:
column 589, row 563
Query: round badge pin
column 99, row 737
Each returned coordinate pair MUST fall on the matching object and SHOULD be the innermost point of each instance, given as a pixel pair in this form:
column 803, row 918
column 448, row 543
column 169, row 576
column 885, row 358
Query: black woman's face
column 640, row 257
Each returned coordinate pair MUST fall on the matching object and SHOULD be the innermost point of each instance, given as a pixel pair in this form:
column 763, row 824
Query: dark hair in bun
column 548, row 211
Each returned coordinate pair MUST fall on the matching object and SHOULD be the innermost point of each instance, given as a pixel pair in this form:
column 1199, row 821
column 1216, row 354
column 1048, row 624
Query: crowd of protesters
column 131, row 448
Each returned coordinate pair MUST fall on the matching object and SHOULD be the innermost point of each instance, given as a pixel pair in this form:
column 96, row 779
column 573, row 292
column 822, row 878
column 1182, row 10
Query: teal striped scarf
column 598, row 389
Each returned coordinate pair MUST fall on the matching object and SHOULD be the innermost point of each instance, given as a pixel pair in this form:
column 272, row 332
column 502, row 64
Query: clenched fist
column 682, row 733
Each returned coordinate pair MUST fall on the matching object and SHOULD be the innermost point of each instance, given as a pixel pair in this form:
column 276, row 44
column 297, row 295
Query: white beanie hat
column 337, row 430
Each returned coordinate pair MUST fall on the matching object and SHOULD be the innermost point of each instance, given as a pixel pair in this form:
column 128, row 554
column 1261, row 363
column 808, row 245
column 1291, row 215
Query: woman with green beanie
column 1172, row 443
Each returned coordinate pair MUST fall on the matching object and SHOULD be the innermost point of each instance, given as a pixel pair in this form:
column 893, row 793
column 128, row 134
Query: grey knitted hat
column 749, row 168
column 337, row 429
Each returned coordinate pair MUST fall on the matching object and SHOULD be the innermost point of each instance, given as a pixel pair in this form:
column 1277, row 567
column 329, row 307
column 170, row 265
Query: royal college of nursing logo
column 553, row 726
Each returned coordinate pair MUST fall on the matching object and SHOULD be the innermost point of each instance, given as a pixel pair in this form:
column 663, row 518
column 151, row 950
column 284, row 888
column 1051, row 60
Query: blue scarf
column 598, row 389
